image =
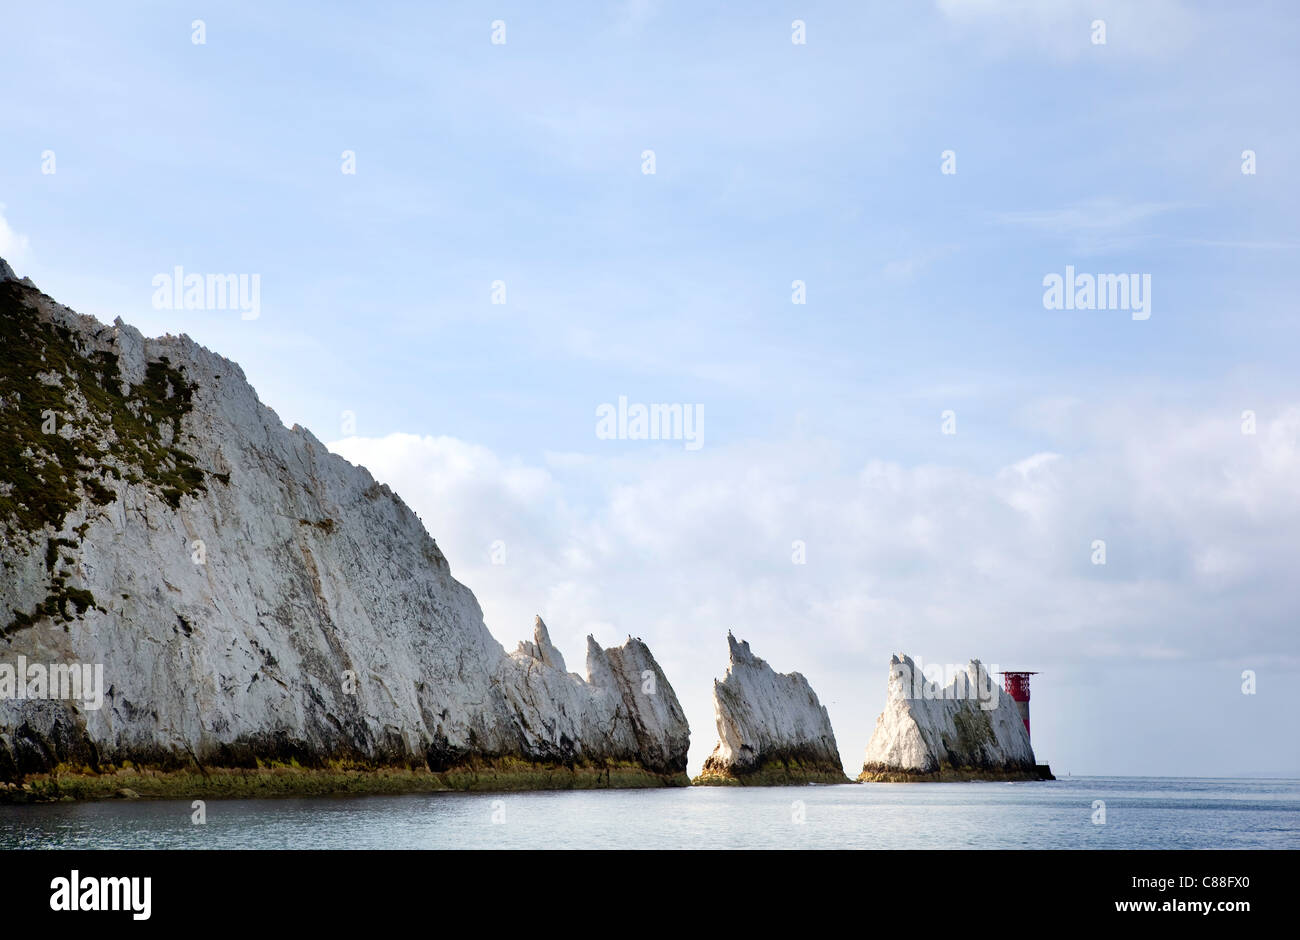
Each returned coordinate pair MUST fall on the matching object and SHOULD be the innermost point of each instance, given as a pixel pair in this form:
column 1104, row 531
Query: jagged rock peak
column 739, row 650
column 772, row 730
column 541, row 648
column 550, row 655
column 7, row 274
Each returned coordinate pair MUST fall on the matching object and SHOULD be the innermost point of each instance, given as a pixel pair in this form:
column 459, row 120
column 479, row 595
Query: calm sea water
column 1140, row 812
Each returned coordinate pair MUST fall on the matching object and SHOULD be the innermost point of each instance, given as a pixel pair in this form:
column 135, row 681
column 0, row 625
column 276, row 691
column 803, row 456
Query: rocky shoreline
column 217, row 605
column 776, row 772
column 290, row 780
column 946, row 774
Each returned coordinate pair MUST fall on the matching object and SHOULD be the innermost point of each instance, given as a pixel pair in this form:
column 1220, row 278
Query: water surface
column 1140, row 812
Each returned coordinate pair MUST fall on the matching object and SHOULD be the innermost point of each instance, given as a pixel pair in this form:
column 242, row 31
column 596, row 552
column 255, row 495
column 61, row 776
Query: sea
column 1070, row 813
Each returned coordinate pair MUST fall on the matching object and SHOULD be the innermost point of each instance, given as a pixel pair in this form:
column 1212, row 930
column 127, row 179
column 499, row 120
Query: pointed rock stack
column 623, row 720
column 772, row 731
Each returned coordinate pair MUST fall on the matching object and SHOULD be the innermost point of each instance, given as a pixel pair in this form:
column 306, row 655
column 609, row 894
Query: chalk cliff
column 969, row 729
column 771, row 728
column 256, row 601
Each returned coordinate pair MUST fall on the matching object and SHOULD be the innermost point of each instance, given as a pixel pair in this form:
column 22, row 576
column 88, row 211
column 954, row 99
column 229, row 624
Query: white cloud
column 1200, row 521
column 13, row 247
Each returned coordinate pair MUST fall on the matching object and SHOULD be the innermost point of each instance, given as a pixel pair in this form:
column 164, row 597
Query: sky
column 940, row 449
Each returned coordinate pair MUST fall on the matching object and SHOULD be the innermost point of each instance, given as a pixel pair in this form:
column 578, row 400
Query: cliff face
column 771, row 728
column 254, row 599
column 969, row 729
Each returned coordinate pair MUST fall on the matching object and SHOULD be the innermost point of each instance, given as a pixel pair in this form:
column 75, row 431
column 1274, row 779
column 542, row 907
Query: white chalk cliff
column 969, row 729
column 253, row 597
column 771, row 728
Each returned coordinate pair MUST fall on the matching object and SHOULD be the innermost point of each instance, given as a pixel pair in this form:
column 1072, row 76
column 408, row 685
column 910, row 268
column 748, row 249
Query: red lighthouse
column 1016, row 685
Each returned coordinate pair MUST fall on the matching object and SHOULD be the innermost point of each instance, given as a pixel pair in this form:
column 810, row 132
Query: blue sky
column 774, row 162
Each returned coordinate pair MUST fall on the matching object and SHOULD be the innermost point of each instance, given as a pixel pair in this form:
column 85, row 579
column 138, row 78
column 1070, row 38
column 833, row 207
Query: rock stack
column 967, row 730
column 771, row 729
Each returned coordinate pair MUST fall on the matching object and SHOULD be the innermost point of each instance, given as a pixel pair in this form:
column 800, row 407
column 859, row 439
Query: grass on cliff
column 68, row 428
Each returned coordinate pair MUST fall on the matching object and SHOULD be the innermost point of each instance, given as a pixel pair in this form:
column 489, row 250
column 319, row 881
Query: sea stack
column 262, row 615
column 772, row 731
column 967, row 730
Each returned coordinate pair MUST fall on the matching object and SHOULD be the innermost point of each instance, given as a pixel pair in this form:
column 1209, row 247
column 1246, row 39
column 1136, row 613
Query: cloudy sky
column 130, row 149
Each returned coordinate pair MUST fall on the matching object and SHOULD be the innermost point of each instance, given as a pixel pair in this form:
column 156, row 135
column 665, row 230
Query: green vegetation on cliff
column 69, row 426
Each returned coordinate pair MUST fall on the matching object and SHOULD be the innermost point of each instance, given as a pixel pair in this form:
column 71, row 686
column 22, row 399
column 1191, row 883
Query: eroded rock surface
column 772, row 730
column 256, row 600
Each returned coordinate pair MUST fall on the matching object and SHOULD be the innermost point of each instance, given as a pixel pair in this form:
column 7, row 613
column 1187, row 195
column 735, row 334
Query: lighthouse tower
column 1016, row 685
